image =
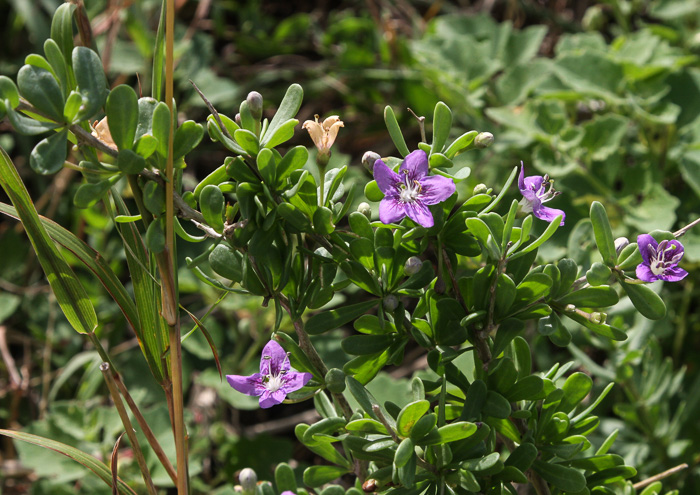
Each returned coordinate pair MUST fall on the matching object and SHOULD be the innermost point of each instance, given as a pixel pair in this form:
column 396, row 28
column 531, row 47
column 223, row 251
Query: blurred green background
column 602, row 96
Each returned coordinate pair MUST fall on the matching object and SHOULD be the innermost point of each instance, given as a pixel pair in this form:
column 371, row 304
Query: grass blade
column 79, row 456
column 70, row 294
column 93, row 261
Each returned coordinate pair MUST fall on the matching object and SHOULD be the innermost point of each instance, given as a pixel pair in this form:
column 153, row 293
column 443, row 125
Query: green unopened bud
column 570, row 308
column 365, row 209
column 598, row 317
column 335, row 380
column 620, row 244
column 248, row 480
column 483, row 140
column 480, row 189
column 412, row 265
column 255, row 104
column 390, row 302
column 368, row 160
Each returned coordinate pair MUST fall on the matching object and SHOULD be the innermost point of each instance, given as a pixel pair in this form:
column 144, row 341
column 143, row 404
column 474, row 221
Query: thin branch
column 660, row 476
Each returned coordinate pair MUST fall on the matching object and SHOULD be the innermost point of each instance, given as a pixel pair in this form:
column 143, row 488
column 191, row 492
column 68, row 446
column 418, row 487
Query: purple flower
column 660, row 260
column 409, row 192
column 275, row 379
column 536, row 191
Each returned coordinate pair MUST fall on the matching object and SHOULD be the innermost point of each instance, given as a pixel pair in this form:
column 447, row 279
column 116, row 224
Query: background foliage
column 604, row 97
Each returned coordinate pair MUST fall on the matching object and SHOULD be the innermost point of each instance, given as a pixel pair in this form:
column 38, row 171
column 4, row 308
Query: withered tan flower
column 323, row 134
column 101, row 131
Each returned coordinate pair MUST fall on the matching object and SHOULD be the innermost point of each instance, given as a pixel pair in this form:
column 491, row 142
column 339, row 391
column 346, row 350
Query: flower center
column 410, row 189
column 665, row 256
column 274, row 382
column 546, row 191
column 658, row 267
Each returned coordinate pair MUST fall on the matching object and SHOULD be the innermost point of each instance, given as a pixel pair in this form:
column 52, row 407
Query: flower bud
column 390, row 302
column 335, row 380
column 483, row 140
column 365, row 209
column 369, row 486
column 598, row 317
column 620, row 244
column 368, row 160
column 480, row 189
column 412, row 265
column 570, row 308
column 237, row 119
column 248, row 480
column 255, row 104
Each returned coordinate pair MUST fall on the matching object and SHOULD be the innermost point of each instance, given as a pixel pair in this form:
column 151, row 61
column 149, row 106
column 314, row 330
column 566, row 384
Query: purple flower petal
column 391, row 210
column 645, row 274
column 249, row 385
column 436, row 189
column 548, row 214
column 294, row 380
column 419, row 213
column 521, row 178
column 673, row 274
column 534, row 182
column 386, row 178
column 674, row 250
column 269, row 399
column 416, row 164
column 644, row 241
column 274, row 359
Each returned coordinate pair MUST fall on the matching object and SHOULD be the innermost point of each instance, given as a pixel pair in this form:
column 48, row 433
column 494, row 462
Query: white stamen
column 274, row 382
column 409, row 190
column 657, row 267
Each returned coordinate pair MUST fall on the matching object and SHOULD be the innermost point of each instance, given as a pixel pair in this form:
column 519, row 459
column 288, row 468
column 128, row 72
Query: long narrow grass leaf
column 159, row 57
column 93, row 261
column 70, row 294
column 146, row 291
column 79, row 456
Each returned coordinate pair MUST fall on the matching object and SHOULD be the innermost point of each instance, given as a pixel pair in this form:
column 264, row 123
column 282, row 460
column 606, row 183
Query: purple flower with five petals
column 660, row 260
column 411, row 191
column 536, row 191
column 275, row 379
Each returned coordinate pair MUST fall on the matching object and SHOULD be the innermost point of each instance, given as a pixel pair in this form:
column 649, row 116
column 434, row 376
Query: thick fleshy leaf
column 70, row 294
column 603, row 233
column 62, row 29
column 564, row 478
column 91, row 79
column 442, row 123
column 49, row 155
column 409, row 415
column 41, row 89
column 316, row 476
column 187, row 137
column 329, row 320
column 392, row 126
column 213, row 204
column 645, row 300
column 79, row 456
column 287, row 110
column 123, row 115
